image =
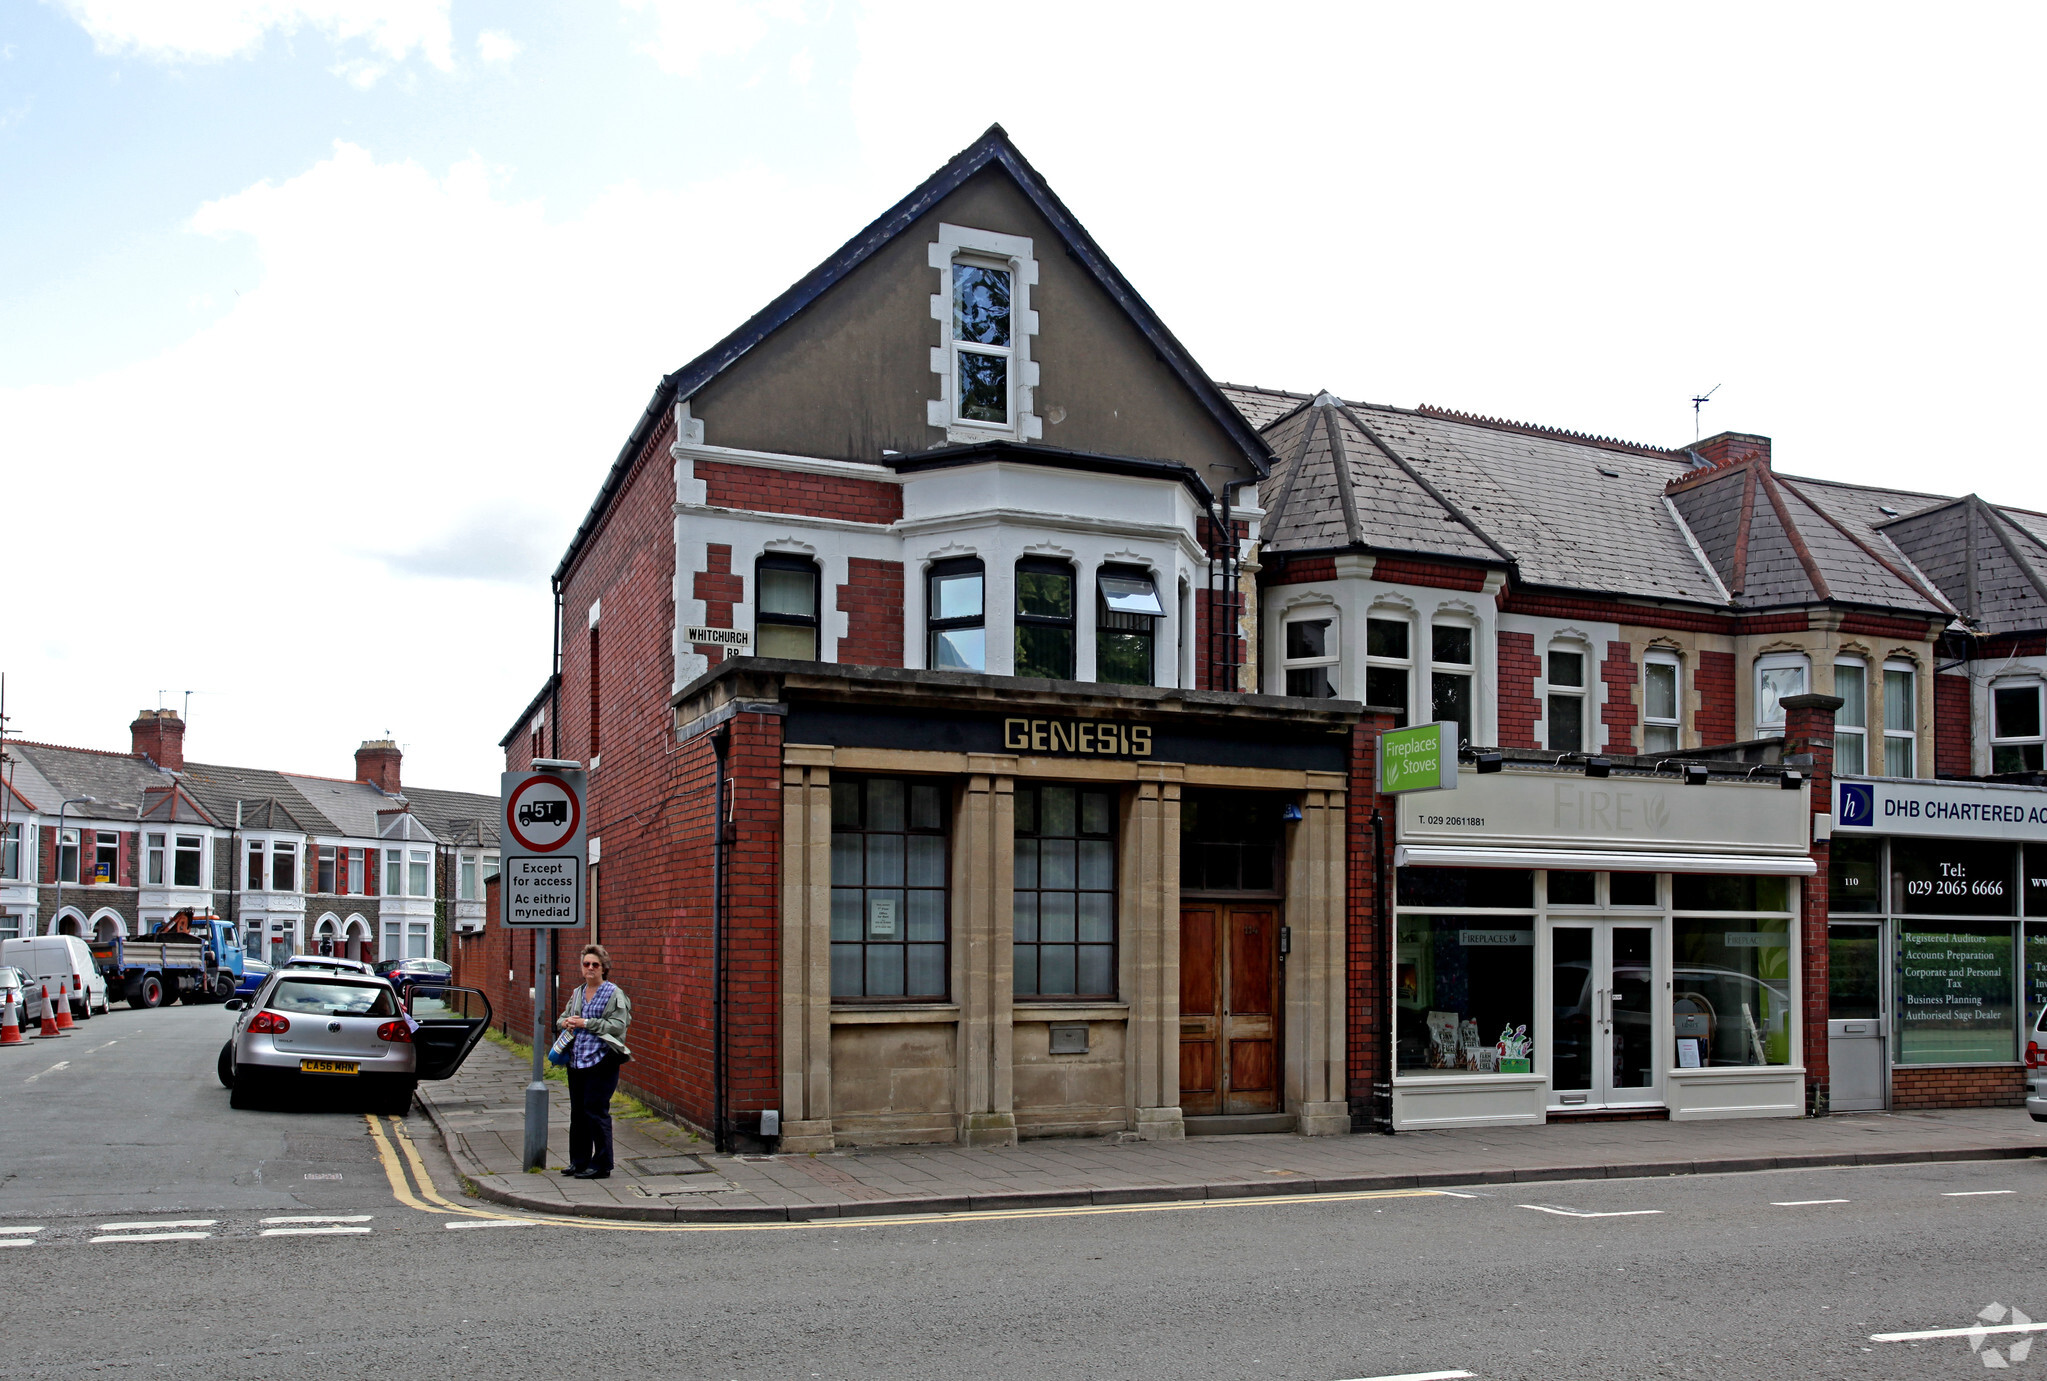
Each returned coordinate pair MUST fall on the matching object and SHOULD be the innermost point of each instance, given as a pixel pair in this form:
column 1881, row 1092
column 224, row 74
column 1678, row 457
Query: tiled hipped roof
column 1593, row 514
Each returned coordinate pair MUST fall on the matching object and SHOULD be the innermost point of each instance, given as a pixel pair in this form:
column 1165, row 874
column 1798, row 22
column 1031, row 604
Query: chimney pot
column 159, row 735
column 377, row 763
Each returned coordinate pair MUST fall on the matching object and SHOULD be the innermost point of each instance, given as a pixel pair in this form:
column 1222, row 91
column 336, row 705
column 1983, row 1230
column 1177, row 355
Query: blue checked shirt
column 588, row 1050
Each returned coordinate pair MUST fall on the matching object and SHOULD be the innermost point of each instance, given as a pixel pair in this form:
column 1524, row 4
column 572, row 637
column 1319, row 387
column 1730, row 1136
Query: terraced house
column 101, row 843
column 982, row 708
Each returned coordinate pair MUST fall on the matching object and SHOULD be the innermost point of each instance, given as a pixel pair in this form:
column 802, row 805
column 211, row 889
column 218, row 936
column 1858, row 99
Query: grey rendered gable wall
column 850, row 375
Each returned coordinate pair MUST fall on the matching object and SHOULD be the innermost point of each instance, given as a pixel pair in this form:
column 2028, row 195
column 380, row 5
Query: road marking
column 1973, row 1193
column 1580, row 1213
column 61, row 1064
column 96, row 1049
column 492, row 1223
column 1973, row 1331
column 175, row 1223
column 17, row 1242
column 419, row 1170
column 1803, row 1203
column 322, row 1218
column 388, row 1158
column 311, row 1232
column 10, row 1232
column 1420, row 1375
column 154, row 1237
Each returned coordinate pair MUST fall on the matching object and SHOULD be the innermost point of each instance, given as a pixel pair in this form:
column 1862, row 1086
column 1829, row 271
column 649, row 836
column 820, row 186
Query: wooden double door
column 1229, row 1009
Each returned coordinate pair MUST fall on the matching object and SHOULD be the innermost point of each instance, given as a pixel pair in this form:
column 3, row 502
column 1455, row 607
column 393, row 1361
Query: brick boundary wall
column 1966, row 1086
column 1619, row 714
column 1519, row 670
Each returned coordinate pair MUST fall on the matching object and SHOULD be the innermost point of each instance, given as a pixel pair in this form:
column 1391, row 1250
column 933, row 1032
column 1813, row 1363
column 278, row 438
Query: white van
column 53, row 959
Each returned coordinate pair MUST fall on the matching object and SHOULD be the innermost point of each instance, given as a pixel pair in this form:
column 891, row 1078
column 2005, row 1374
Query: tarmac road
column 168, row 1235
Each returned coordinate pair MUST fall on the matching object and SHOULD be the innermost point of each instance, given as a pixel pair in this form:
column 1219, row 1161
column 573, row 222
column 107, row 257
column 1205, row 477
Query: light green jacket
column 609, row 1028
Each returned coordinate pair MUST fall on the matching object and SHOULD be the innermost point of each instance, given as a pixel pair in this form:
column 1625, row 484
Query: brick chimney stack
column 1732, row 448
column 376, row 762
column 159, row 735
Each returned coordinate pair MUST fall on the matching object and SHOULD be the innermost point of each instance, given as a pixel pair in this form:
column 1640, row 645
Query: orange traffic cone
column 10, row 1025
column 48, row 1030
column 64, row 1021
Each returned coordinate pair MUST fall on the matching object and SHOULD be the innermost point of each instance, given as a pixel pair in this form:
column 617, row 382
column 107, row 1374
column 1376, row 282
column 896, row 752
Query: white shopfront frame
column 1561, row 820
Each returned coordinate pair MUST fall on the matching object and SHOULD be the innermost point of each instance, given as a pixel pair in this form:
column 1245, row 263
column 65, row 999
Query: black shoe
column 587, row 1173
column 570, row 1170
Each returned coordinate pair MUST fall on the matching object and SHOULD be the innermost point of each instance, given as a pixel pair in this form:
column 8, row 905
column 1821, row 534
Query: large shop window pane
column 1953, row 877
column 1729, row 892
column 1475, row 887
column 1855, row 876
column 1731, row 989
column 1465, row 992
column 888, row 908
column 1955, row 991
column 1064, row 922
column 2036, row 973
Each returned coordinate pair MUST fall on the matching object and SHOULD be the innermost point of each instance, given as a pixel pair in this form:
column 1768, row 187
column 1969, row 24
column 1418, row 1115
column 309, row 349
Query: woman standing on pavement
column 598, row 1013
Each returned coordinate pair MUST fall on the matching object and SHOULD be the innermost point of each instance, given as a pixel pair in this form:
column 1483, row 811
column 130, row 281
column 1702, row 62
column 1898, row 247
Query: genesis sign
column 1941, row 809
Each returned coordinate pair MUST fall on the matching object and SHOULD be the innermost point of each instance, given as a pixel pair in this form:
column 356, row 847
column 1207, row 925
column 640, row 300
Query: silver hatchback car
column 2036, row 1069
column 347, row 1034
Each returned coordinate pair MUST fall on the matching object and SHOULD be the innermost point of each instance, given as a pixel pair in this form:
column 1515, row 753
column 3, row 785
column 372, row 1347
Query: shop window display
column 1955, row 991
column 1731, row 990
column 1464, row 988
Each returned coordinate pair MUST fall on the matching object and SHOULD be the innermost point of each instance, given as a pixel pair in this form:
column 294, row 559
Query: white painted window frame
column 1406, row 666
column 1452, row 618
column 1906, row 738
column 1661, row 657
column 1858, row 731
column 1333, row 659
column 1774, row 661
column 1581, row 693
column 1997, row 741
column 997, row 250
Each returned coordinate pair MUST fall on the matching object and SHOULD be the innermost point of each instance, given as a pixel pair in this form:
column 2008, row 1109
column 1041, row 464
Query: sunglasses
column 592, row 964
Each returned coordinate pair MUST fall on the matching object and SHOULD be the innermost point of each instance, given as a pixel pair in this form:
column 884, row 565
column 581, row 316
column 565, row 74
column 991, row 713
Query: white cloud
column 337, row 505
column 495, row 45
column 687, row 31
column 189, row 30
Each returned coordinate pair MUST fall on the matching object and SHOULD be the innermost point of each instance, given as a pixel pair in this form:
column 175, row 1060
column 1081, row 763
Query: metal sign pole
column 536, row 1092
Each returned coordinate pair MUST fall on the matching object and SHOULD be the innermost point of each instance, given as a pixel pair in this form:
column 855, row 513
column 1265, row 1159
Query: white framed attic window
column 2017, row 743
column 983, row 304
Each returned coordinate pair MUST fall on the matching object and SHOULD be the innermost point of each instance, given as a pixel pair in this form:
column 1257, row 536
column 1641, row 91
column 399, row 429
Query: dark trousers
column 590, row 1093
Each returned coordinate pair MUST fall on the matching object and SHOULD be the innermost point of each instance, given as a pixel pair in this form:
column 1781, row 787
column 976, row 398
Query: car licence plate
column 327, row 1066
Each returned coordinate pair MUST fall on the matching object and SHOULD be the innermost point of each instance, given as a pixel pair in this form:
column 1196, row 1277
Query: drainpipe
column 720, row 1138
column 1382, row 1020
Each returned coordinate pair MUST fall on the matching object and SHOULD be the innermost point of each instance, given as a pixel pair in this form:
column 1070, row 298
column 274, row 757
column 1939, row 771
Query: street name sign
column 543, row 842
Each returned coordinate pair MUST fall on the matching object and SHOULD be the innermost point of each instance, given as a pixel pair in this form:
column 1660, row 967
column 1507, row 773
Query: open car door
column 450, row 1023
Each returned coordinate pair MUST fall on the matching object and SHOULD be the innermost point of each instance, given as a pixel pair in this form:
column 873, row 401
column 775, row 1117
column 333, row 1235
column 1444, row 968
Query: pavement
column 665, row 1173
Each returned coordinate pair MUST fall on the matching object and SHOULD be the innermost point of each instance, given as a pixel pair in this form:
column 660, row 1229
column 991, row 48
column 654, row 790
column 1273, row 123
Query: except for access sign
column 543, row 842
column 1421, row 757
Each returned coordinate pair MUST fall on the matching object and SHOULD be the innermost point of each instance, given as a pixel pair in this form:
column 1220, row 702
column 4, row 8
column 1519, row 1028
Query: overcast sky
column 324, row 318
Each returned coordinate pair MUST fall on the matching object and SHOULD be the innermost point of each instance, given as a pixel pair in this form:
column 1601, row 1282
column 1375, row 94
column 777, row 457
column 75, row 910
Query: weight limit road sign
column 543, row 849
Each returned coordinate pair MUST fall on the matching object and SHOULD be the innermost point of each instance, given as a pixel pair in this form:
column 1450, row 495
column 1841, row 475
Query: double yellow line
column 428, row 1199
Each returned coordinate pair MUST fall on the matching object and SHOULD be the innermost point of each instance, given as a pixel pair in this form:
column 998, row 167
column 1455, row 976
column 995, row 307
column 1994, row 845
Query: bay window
column 421, row 867
column 1126, row 624
column 1044, row 619
column 357, row 859
column 186, row 866
column 2015, row 728
column 324, row 882
column 786, row 608
column 1901, row 720
column 956, row 615
column 394, row 875
column 1851, row 723
column 284, row 860
column 1312, row 655
column 67, row 855
column 468, row 889
column 252, row 879
column 156, row 868
column 10, row 850
column 1564, row 708
column 1450, row 675
column 1661, row 690
column 1389, row 666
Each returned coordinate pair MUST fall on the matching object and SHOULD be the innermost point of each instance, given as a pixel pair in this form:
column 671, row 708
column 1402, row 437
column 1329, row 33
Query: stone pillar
column 1316, row 968
column 806, row 1022
column 1809, row 738
column 1149, row 904
column 984, row 848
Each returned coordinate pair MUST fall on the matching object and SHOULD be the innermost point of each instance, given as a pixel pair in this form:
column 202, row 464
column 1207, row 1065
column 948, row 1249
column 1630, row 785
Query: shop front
column 1937, row 902
column 1011, row 912
column 1619, row 946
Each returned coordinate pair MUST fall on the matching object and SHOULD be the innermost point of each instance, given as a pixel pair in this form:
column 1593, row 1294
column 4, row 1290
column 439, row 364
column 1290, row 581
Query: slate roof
column 117, row 780
column 2005, row 590
column 1577, row 512
column 992, row 149
column 457, row 817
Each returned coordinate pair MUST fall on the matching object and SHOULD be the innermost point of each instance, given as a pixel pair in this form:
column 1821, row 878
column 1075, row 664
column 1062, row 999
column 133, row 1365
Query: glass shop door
column 1603, row 1032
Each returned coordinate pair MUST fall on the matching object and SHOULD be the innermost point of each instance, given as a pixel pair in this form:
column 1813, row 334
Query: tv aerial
column 1700, row 402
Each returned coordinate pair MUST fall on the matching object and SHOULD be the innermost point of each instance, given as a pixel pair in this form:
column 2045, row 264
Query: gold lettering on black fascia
column 1078, row 737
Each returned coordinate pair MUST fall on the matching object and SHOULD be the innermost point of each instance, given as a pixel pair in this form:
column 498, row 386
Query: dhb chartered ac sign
column 1858, row 805
column 1976, row 810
